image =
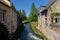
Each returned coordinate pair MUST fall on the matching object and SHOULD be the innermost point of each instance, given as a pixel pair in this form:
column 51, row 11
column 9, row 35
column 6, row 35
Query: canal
column 28, row 34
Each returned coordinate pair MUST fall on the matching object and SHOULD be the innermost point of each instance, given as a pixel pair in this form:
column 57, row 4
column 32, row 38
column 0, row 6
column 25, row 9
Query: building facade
column 8, row 15
column 54, row 9
column 45, row 13
column 49, row 20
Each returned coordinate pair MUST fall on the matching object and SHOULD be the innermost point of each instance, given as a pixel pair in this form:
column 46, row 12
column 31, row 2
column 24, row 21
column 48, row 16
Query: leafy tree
column 20, row 26
column 22, row 15
column 33, row 13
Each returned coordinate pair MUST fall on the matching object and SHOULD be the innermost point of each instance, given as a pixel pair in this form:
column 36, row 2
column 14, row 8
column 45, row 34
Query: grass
column 37, row 31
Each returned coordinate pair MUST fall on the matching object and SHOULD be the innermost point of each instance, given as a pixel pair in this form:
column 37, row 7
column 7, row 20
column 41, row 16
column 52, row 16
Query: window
column 2, row 16
column 46, row 21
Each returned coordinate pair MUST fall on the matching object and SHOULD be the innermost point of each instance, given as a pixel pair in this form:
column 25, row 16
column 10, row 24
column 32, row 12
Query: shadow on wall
column 4, row 35
column 19, row 31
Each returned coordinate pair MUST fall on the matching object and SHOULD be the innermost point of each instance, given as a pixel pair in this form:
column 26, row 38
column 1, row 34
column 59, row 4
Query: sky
column 26, row 4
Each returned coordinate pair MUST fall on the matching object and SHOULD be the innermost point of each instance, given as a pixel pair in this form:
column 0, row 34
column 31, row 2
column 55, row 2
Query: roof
column 42, row 8
column 6, row 2
column 14, row 8
column 50, row 3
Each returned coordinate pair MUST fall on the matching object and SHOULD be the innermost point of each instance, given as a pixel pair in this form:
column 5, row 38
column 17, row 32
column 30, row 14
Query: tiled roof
column 47, row 6
column 50, row 3
column 6, row 2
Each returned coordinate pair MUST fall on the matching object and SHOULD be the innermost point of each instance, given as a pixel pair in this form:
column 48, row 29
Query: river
column 28, row 34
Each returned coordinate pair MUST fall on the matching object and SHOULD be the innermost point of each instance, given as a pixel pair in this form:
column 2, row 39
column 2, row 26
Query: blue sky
column 26, row 4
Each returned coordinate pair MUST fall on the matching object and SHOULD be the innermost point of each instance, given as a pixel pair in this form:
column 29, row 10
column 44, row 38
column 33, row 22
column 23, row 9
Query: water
column 28, row 34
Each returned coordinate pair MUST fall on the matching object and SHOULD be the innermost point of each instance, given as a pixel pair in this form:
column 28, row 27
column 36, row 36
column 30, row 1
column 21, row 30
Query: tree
column 22, row 15
column 20, row 26
column 33, row 13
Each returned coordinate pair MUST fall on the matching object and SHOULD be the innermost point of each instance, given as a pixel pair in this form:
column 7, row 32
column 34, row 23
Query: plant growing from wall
column 50, row 9
column 57, row 14
column 52, row 15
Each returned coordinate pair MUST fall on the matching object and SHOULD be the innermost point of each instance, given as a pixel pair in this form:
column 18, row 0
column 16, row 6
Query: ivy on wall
column 54, row 14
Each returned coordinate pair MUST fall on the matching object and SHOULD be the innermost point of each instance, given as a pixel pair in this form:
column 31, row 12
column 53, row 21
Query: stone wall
column 14, row 21
column 56, row 6
column 9, row 18
column 51, row 33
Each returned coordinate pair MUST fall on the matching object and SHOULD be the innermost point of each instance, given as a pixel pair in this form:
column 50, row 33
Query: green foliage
column 33, row 13
column 53, row 14
column 37, row 31
column 19, row 30
column 57, row 14
column 20, row 27
column 22, row 15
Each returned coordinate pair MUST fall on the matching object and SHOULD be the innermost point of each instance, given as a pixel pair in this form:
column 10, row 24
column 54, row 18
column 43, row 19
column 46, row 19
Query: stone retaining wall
column 50, row 34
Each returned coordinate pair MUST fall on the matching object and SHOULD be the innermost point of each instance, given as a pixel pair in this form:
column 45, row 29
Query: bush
column 37, row 31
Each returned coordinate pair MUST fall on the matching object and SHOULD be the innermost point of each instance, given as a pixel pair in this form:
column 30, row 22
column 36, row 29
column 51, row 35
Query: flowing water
column 28, row 34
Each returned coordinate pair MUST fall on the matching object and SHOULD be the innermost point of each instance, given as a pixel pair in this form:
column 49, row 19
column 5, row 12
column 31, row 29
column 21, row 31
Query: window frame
column 3, row 15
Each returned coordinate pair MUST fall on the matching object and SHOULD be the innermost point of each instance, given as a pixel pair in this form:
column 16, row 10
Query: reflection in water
column 28, row 34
